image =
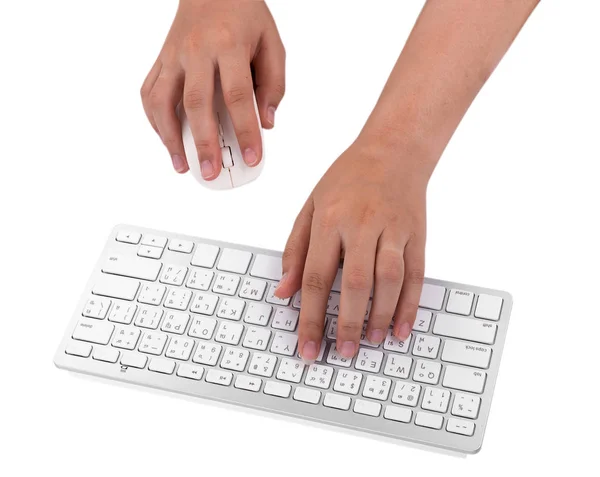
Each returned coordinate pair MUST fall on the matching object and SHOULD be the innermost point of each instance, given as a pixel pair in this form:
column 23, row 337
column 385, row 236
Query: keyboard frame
column 288, row 406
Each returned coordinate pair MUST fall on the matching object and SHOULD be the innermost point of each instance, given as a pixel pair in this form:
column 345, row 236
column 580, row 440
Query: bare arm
column 370, row 205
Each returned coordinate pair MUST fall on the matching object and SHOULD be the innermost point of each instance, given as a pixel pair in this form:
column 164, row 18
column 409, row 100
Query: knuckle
column 415, row 276
column 279, row 87
column 194, row 100
column 358, row 280
column 327, row 218
column 408, row 311
column 311, row 327
column 365, row 215
column 235, row 95
column 380, row 318
column 203, row 145
column 350, row 327
column 390, row 267
column 313, row 283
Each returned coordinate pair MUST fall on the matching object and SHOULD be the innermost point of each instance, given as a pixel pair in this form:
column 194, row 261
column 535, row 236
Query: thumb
column 294, row 255
column 269, row 76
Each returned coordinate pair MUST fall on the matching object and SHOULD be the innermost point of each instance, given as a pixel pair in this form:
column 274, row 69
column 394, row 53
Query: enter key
column 469, row 354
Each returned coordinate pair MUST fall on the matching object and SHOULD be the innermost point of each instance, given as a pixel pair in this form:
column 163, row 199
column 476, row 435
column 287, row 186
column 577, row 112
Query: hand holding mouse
column 235, row 39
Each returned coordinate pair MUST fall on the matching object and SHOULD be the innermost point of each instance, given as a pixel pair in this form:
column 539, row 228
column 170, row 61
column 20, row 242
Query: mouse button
column 226, row 157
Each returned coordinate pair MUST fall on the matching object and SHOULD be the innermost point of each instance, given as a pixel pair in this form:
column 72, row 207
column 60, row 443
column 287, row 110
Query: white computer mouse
column 235, row 172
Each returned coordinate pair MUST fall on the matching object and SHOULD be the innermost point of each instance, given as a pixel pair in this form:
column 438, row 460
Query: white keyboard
column 199, row 317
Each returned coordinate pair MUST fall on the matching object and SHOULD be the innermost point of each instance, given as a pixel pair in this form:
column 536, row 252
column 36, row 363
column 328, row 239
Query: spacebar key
column 133, row 267
column 116, row 287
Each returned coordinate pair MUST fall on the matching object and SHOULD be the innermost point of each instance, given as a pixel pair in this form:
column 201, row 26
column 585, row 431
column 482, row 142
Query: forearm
column 452, row 50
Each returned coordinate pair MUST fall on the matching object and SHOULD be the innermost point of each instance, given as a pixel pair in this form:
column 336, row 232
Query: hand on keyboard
column 369, row 206
column 205, row 36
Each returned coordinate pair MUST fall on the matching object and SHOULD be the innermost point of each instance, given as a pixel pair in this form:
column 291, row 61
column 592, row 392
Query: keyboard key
column 262, row 364
column 205, row 255
column 154, row 241
column 368, row 408
column 460, row 302
column 256, row 338
column 266, row 266
column 231, row 309
column 278, row 389
column 235, row 359
column 427, row 372
column 466, row 405
column 271, row 298
column 258, row 313
column 152, row 294
column 150, row 252
column 337, row 282
column 319, row 376
column 180, row 348
column 285, row 319
column 406, row 393
column 126, row 338
column 396, row 413
column 173, row 275
column 489, row 307
column 181, row 246
column 336, row 401
column 222, row 378
column 333, row 357
column 397, row 366
column 202, row 328
column 207, row 353
column 468, row 354
column 175, row 322
column 116, row 287
column 129, row 237
column 392, row 343
column 190, row 371
column 458, row 426
column 200, row 279
column 377, row 388
column 248, row 383
column 235, row 261
column 153, row 343
column 333, row 304
column 163, row 366
column 432, row 296
column 204, row 303
column 96, row 307
column 369, row 360
column 465, row 328
column 426, row 346
column 310, row 396
column 290, row 370
column 178, row 299
column 226, row 284
column 132, row 267
column 82, row 350
column 134, row 360
column 464, row 379
column 347, row 382
column 252, row 289
column 423, row 321
column 149, row 317
column 109, row 355
column 93, row 331
column 436, row 399
column 426, row 419
column 229, row 333
column 284, row 343
column 122, row 312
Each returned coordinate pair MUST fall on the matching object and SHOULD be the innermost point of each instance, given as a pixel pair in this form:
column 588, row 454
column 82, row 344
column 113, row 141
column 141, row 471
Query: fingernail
column 207, row 169
column 250, row 157
column 376, row 336
column 271, row 115
column 347, row 349
column 309, row 351
column 405, row 330
column 281, row 282
column 178, row 163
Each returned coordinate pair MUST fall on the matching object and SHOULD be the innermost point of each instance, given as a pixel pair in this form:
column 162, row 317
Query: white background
column 513, row 205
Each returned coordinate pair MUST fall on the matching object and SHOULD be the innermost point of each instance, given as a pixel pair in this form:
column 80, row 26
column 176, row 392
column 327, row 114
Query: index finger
column 321, row 266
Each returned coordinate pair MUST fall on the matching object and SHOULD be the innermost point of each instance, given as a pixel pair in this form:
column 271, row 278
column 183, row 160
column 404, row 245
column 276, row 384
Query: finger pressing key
column 322, row 262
